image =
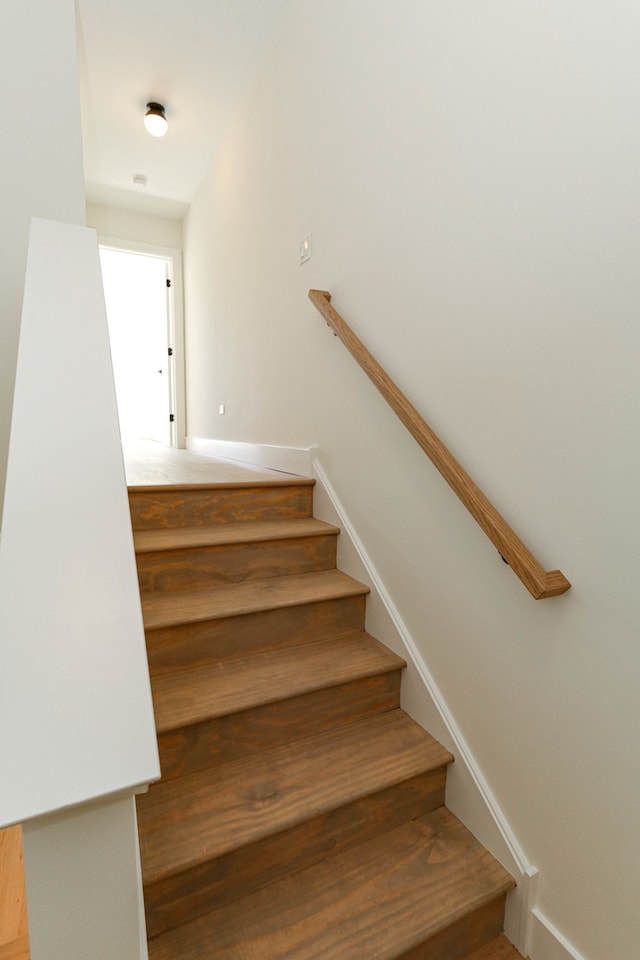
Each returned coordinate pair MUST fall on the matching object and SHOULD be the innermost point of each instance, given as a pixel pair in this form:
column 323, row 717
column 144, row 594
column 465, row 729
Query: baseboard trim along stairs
column 301, row 812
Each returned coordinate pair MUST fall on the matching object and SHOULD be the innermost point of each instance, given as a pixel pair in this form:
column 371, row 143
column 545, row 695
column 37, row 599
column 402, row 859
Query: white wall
column 135, row 226
column 41, row 162
column 469, row 175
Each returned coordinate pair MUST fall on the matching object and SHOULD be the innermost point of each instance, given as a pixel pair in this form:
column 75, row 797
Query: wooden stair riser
column 463, row 937
column 162, row 507
column 197, row 567
column 185, row 896
column 189, row 644
column 222, row 739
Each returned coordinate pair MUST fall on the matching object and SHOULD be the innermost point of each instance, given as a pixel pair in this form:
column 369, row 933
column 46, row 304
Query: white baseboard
column 548, row 943
column 295, row 460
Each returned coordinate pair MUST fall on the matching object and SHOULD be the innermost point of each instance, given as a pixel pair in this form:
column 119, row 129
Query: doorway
column 140, row 299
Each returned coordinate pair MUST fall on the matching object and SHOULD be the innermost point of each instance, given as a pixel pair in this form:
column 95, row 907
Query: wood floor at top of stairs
column 192, row 694
column 378, row 901
column 204, row 815
column 228, row 600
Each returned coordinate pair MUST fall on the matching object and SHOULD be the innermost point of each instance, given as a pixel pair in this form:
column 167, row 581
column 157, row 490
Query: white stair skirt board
column 468, row 794
column 294, row 460
column 76, row 716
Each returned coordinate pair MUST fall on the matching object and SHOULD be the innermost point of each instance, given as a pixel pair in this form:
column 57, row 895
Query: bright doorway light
column 135, row 287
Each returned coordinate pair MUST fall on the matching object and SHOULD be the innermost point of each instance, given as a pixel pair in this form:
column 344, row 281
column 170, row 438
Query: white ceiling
column 193, row 56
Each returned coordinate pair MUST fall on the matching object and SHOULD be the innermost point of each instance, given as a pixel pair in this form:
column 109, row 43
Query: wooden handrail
column 539, row 582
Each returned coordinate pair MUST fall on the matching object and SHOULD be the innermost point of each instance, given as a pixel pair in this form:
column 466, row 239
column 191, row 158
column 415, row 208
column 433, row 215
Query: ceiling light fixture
column 155, row 120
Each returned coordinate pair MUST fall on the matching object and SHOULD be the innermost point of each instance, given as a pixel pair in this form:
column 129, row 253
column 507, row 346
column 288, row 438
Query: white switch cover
column 305, row 249
column 221, row 408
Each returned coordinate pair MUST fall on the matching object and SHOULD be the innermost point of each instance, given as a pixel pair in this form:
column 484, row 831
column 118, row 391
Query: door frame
column 175, row 302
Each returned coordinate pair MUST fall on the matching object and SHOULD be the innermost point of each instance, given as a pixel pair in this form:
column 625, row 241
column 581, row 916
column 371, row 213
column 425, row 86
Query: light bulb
column 155, row 120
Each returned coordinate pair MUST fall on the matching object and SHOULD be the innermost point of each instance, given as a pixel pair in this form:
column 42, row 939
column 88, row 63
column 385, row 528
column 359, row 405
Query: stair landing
column 152, row 464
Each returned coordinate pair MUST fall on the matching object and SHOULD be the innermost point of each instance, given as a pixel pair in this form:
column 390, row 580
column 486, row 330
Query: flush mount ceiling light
column 155, row 120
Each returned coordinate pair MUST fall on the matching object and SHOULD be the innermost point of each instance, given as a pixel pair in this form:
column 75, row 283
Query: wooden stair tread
column 195, row 818
column 498, row 949
column 377, row 901
column 171, row 538
column 228, row 600
column 190, row 695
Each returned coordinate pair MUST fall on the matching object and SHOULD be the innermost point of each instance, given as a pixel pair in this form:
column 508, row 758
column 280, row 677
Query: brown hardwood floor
column 14, row 936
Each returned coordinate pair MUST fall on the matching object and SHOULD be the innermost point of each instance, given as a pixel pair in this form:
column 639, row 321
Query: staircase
column 300, row 812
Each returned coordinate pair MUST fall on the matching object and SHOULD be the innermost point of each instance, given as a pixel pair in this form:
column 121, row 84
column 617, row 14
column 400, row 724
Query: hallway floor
column 151, row 464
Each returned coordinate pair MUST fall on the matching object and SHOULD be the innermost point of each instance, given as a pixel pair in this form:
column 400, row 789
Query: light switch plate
column 305, row 249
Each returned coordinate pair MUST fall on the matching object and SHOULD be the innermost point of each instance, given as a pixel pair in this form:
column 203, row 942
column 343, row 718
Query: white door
column 136, row 292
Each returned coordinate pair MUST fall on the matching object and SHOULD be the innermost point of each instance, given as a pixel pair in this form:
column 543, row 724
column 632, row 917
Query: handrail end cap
column 555, row 584
column 319, row 293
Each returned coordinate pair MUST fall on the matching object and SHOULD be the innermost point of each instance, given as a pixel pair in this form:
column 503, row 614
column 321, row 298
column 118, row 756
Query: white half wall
column 76, row 717
column 83, row 883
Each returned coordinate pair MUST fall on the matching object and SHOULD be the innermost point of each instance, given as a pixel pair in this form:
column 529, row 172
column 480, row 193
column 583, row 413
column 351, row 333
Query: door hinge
column 171, row 418
column 168, row 282
column 170, row 351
